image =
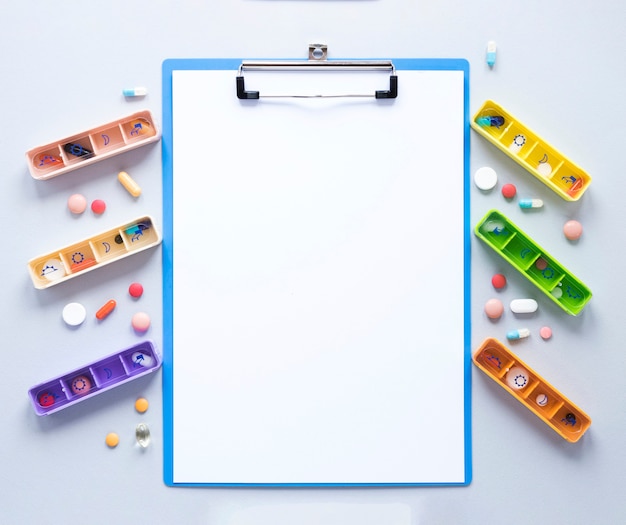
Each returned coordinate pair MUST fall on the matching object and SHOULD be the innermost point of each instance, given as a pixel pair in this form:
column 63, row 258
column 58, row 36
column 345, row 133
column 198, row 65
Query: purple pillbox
column 95, row 378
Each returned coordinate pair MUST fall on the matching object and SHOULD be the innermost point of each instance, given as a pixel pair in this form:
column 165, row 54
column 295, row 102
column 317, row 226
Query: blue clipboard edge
column 175, row 64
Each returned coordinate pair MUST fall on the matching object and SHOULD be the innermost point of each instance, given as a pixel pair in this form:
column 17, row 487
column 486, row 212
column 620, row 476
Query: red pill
column 498, row 281
column 135, row 290
column 98, row 207
column 509, row 191
column 47, row 399
column 106, row 309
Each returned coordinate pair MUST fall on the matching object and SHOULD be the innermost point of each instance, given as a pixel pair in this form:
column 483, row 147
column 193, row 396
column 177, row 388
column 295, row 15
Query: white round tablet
column 53, row 270
column 74, row 314
column 557, row 292
column 541, row 400
column 485, row 178
column 141, row 359
column 517, row 378
column 544, row 169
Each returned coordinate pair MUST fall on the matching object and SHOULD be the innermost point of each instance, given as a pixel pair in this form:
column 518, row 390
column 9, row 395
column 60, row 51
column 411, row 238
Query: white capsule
column 135, row 92
column 523, row 306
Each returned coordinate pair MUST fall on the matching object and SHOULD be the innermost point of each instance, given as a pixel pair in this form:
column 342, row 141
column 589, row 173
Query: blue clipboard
column 316, row 254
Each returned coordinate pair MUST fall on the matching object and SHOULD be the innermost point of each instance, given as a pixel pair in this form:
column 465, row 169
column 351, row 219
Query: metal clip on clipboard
column 318, row 54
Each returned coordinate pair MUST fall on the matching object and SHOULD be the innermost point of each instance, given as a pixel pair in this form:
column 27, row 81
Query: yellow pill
column 141, row 405
column 131, row 186
column 112, row 439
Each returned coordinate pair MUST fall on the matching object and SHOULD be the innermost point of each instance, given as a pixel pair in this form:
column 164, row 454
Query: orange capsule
column 131, row 186
column 106, row 309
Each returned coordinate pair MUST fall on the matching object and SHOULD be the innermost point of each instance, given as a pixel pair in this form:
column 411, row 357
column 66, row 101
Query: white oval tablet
column 485, row 178
column 74, row 314
column 523, row 306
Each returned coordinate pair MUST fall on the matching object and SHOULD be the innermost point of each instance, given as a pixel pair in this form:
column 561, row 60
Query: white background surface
column 559, row 68
column 318, row 347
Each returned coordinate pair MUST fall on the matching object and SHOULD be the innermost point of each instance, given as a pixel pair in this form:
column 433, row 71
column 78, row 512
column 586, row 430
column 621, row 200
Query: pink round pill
column 77, row 203
column 541, row 264
column 573, row 230
column 494, row 308
column 141, row 321
column 545, row 332
column 98, row 206
column 135, row 290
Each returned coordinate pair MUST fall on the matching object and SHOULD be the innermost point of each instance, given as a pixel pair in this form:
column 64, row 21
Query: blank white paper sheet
column 316, row 277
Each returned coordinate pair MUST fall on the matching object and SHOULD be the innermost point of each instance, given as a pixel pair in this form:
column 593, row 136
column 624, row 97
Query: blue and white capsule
column 530, row 203
column 520, row 333
column 491, row 53
column 135, row 92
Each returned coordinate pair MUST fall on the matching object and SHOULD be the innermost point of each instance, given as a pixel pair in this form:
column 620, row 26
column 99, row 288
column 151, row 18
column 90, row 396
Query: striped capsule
column 108, row 307
column 131, row 186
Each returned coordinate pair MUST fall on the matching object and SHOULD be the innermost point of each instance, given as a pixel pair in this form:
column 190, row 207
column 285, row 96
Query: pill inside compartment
column 496, row 122
column 571, row 294
column 139, row 359
column 545, row 160
column 545, row 272
column 519, row 141
column 569, row 180
column 109, row 245
column 570, row 421
column 48, row 269
column 77, row 149
column 495, row 359
column 495, row 230
column 48, row 160
column 546, row 400
column 78, row 257
column 78, row 384
column 137, row 128
column 49, row 396
column 139, row 234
